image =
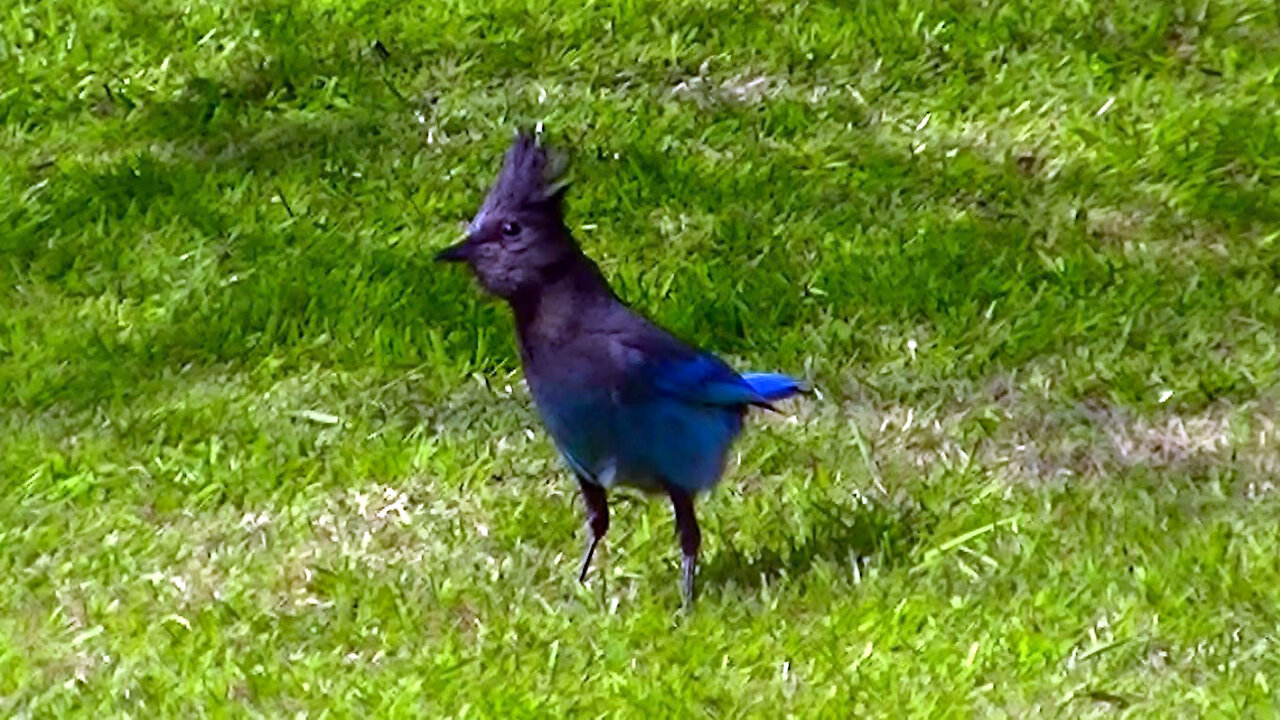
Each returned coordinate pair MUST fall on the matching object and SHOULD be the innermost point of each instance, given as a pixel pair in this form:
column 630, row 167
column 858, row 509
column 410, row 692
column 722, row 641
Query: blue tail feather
column 773, row 386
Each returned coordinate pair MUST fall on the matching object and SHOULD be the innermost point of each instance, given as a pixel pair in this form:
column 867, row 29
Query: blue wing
column 773, row 386
column 706, row 380
column 650, row 410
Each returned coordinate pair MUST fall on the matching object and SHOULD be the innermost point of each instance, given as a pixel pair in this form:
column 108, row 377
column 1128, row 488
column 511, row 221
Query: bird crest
column 530, row 175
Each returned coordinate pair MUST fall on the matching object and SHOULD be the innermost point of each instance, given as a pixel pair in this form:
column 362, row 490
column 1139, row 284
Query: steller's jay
column 626, row 402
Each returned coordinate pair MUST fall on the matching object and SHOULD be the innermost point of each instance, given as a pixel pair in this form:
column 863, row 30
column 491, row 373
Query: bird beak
column 460, row 252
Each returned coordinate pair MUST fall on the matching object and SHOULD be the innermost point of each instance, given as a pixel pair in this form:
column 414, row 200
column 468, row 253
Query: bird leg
column 597, row 520
column 690, row 539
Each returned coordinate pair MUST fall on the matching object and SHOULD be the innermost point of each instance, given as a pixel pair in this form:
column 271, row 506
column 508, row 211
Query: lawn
column 260, row 456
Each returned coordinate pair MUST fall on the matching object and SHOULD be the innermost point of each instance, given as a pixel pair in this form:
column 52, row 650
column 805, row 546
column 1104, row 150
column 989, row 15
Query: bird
column 625, row 402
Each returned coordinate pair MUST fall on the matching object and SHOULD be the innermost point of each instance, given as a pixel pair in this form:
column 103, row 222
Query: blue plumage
column 773, row 386
column 625, row 401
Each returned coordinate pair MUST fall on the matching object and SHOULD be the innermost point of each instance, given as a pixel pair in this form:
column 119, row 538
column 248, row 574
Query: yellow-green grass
column 259, row 456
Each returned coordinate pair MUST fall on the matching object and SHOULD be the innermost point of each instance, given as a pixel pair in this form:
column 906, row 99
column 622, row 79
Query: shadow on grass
column 880, row 237
column 383, row 301
column 848, row 536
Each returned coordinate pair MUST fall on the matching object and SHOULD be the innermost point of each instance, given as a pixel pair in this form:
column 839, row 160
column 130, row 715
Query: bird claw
column 687, row 570
column 586, row 558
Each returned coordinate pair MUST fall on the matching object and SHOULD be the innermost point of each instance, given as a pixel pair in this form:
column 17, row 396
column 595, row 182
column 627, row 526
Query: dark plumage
column 625, row 401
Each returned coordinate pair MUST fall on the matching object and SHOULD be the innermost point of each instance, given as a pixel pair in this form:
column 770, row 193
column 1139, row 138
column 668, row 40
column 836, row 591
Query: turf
column 259, row 456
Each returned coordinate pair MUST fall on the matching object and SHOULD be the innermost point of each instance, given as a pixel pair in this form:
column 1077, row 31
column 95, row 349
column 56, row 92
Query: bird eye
column 510, row 228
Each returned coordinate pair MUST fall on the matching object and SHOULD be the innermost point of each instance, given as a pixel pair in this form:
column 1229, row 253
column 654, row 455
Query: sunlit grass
column 260, row 455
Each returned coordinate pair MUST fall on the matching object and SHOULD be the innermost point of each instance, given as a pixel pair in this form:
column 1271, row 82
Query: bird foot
column 687, row 570
column 586, row 558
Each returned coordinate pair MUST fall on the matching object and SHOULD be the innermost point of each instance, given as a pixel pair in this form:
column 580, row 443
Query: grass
column 259, row 456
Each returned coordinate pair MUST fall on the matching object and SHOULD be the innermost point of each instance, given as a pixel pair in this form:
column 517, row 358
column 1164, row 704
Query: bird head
column 518, row 241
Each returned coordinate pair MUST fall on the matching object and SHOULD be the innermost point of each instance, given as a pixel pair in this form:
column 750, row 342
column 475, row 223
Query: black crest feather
column 531, row 174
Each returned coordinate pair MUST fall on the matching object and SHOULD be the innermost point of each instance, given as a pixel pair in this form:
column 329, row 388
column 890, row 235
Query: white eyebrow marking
column 478, row 222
